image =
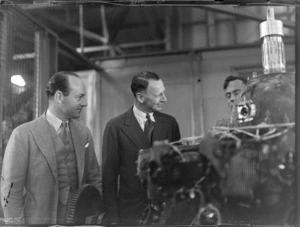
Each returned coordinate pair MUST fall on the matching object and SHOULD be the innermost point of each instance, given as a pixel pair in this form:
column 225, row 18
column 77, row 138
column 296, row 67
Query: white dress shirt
column 141, row 117
column 55, row 121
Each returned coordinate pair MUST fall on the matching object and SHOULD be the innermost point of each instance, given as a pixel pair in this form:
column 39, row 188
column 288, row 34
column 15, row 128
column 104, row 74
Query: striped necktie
column 63, row 134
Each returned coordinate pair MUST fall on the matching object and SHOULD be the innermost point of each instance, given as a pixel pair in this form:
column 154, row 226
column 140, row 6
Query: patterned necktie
column 63, row 134
column 149, row 128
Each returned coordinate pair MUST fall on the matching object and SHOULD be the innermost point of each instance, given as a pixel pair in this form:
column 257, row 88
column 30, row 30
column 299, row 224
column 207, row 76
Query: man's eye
column 237, row 93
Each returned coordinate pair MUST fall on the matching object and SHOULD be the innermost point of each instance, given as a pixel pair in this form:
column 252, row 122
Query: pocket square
column 87, row 145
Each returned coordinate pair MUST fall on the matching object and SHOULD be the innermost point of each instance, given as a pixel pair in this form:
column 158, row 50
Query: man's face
column 233, row 92
column 154, row 96
column 73, row 103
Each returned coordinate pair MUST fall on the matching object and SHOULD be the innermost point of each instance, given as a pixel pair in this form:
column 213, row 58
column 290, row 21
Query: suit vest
column 66, row 169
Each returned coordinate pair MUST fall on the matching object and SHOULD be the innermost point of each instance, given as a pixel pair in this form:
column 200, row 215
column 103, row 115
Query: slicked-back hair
column 59, row 82
column 141, row 80
column 233, row 78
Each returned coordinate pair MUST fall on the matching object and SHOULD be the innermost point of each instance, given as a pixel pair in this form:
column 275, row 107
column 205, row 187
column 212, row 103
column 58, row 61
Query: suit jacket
column 29, row 184
column 123, row 138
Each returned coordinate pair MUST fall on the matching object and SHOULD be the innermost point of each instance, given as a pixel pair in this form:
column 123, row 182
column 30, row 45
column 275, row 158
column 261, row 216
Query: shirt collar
column 141, row 116
column 53, row 120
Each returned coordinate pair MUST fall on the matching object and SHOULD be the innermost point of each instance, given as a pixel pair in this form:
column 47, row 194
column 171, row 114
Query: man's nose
column 163, row 98
column 233, row 98
column 84, row 102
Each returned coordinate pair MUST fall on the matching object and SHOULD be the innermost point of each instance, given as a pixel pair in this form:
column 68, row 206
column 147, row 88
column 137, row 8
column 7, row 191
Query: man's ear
column 58, row 97
column 139, row 97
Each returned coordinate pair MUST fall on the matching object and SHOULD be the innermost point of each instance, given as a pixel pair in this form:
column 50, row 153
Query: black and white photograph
column 150, row 113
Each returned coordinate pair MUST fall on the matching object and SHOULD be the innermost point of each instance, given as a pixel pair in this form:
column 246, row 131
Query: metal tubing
column 81, row 28
column 297, row 117
column 187, row 3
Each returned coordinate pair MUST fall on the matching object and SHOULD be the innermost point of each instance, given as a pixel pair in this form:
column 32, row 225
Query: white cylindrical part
column 272, row 48
column 273, row 57
column 271, row 27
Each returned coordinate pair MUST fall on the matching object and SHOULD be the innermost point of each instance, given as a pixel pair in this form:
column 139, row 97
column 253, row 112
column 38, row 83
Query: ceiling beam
column 178, row 2
column 63, row 45
column 86, row 33
column 155, row 2
column 242, row 12
column 122, row 46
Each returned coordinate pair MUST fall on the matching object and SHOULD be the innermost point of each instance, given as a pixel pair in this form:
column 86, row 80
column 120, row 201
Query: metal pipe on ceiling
column 242, row 12
column 178, row 2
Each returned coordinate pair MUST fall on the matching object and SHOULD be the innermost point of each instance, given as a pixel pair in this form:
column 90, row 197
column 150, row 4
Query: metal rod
column 3, row 74
column 104, row 24
column 81, row 28
column 168, row 37
column 179, row 2
column 122, row 45
column 211, row 29
column 179, row 30
column 244, row 13
column 297, row 117
column 37, row 72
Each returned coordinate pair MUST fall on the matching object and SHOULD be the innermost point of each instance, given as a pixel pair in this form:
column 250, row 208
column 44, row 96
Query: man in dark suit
column 125, row 198
column 48, row 159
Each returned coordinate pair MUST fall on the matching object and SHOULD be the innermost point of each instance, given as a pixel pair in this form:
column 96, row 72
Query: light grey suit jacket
column 29, row 185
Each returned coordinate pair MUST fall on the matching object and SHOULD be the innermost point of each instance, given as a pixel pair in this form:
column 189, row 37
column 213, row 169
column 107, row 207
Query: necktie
column 63, row 134
column 149, row 128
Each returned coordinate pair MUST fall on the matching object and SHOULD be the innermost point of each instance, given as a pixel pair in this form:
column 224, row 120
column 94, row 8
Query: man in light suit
column 44, row 163
column 123, row 137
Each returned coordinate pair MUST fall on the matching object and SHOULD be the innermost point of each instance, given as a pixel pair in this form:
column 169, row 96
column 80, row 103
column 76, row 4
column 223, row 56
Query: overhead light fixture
column 18, row 80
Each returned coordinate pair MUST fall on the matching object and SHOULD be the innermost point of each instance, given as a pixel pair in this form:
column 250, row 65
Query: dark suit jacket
column 123, row 138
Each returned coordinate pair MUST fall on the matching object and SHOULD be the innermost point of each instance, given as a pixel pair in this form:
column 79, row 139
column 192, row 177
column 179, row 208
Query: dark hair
column 140, row 81
column 233, row 78
column 59, row 82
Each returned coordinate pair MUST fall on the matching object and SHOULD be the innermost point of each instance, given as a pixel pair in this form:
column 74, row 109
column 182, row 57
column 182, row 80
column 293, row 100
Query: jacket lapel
column 79, row 148
column 160, row 127
column 134, row 131
column 45, row 142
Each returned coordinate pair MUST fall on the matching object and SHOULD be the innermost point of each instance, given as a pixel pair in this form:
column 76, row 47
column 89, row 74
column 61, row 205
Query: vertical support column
column 105, row 32
column 297, row 116
column 168, row 45
column 234, row 28
column 198, row 119
column 179, row 29
column 81, row 28
column 211, row 29
column 5, row 73
column 5, row 65
column 37, row 73
column 3, row 46
column 46, row 64
column 2, row 63
column 53, row 52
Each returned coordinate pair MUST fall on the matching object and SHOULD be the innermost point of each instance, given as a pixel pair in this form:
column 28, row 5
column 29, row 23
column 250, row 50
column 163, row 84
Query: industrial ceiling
column 120, row 28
